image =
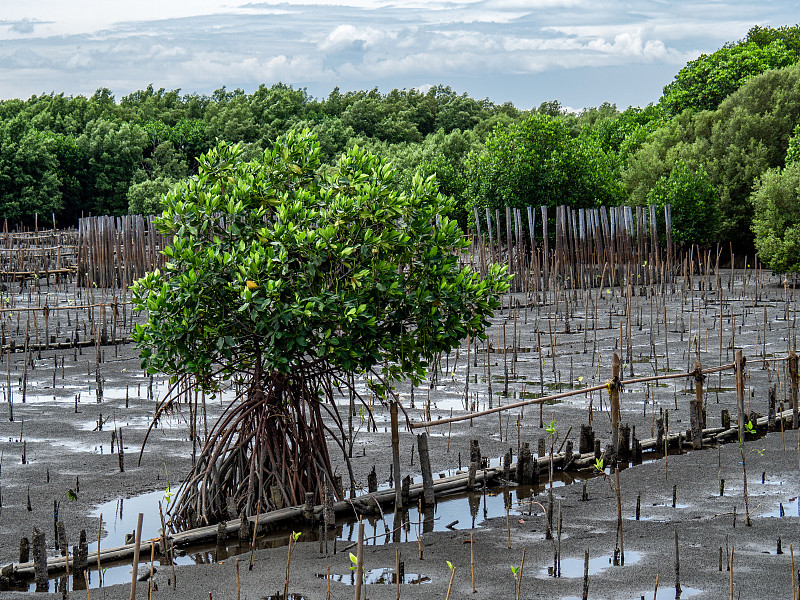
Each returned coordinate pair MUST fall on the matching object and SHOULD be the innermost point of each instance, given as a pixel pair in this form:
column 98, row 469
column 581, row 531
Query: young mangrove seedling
column 292, row 541
column 168, row 495
column 552, row 433
column 452, row 575
column 748, row 428
column 514, row 572
column 354, row 567
column 615, row 486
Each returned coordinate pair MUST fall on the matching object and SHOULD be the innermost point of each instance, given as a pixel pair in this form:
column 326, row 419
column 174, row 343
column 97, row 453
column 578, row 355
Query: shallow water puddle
column 382, row 576
column 669, row 592
column 573, row 567
column 458, row 512
column 789, row 508
column 120, row 516
column 663, row 592
column 464, row 511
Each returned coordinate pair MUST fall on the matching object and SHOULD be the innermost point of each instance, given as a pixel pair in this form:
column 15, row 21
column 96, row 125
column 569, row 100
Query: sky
column 579, row 52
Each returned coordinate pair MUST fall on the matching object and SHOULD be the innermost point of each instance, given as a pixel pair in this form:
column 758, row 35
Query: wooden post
column 739, row 368
column 618, row 489
column 793, row 382
column 614, row 400
column 429, row 496
column 678, row 589
column 696, row 408
column 39, row 560
column 398, row 498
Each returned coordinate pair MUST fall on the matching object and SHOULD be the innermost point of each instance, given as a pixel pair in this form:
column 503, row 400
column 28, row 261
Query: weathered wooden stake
column 739, row 369
column 585, row 595
column 677, row 568
column 794, row 583
column 793, row 382
column 429, row 496
column 39, row 560
column 696, row 408
column 615, row 408
column 619, row 517
column 396, row 574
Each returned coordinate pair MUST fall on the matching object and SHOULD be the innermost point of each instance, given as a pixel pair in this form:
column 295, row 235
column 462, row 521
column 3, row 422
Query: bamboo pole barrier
column 543, row 399
column 448, row 485
column 65, row 307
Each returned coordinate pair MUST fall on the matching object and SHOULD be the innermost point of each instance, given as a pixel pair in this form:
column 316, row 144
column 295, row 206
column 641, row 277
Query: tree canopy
column 292, row 277
column 706, row 81
column 538, row 162
column 776, row 220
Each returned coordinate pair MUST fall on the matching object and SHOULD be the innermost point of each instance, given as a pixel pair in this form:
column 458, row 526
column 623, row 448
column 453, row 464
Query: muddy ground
column 65, row 449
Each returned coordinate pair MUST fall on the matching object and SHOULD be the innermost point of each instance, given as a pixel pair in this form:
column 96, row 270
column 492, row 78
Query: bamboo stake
column 136, row 556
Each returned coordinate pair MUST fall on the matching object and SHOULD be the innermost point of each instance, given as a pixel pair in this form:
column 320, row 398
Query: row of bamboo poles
column 38, row 252
column 589, row 245
column 104, row 252
column 115, row 251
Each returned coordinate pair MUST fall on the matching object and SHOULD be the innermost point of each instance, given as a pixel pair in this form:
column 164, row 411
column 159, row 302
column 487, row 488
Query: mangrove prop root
column 266, row 451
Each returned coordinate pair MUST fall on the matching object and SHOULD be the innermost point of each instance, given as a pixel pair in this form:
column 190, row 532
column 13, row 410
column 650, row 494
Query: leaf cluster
column 279, row 266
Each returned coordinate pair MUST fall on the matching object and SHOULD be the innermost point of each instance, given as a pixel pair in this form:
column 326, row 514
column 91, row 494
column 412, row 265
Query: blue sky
column 580, row 52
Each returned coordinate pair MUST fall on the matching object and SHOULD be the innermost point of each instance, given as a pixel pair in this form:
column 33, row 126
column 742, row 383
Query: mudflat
column 78, row 399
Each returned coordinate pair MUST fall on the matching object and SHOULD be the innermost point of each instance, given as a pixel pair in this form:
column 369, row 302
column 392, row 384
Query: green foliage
column 298, row 267
column 537, row 163
column 113, row 152
column 793, row 151
column 145, row 198
column 735, row 144
column 776, row 220
column 625, row 132
column 76, row 155
column 693, row 203
column 706, row 81
column 29, row 174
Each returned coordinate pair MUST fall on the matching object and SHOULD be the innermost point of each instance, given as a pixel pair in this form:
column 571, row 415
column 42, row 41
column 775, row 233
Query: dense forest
column 722, row 146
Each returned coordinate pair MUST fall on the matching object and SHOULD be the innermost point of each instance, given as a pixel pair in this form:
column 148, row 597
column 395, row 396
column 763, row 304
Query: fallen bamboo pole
column 365, row 503
column 543, row 399
column 443, row 486
column 64, row 345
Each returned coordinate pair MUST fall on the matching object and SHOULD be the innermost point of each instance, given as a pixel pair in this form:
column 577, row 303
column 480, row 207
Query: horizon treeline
column 719, row 146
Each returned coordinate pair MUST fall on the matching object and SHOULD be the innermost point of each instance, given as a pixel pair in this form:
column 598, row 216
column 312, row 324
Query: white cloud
column 517, row 45
column 79, row 60
column 629, row 45
column 344, row 36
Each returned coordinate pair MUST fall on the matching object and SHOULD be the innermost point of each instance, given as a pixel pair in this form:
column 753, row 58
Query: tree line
column 721, row 146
